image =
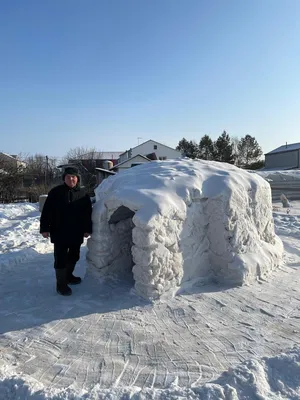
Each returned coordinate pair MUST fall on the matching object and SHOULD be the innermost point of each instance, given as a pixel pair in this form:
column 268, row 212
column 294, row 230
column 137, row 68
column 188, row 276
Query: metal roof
column 286, row 147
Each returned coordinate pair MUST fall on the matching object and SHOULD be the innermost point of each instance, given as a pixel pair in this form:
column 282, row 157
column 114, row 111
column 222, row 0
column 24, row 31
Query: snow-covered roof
column 130, row 159
column 285, row 148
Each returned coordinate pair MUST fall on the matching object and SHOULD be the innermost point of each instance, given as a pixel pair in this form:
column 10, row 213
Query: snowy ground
column 279, row 175
column 103, row 342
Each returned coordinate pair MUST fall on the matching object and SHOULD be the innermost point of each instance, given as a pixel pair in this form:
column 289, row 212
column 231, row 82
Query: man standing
column 66, row 218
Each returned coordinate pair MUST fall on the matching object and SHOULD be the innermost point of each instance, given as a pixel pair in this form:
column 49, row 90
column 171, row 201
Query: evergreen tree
column 224, row 149
column 183, row 146
column 206, row 148
column 188, row 148
column 249, row 150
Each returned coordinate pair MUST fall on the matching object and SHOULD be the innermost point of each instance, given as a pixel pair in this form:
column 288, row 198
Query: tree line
column 42, row 173
column 244, row 152
column 29, row 176
column 26, row 177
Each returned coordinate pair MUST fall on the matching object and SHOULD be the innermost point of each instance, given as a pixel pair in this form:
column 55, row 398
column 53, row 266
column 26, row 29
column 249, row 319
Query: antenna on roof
column 286, row 145
column 139, row 138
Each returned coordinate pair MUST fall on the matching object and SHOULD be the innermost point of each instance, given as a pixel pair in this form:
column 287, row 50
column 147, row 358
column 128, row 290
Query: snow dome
column 168, row 224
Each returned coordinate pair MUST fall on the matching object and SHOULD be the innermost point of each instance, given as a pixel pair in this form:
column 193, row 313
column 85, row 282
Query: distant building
column 102, row 174
column 96, row 159
column 162, row 152
column 9, row 161
column 284, row 157
column 130, row 162
column 143, row 153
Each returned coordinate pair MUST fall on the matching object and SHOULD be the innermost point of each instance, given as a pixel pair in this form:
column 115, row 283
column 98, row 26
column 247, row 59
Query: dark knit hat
column 71, row 171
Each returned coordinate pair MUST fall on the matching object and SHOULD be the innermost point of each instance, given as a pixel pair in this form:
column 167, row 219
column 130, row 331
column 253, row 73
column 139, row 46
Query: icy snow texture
column 20, row 239
column 265, row 379
column 178, row 222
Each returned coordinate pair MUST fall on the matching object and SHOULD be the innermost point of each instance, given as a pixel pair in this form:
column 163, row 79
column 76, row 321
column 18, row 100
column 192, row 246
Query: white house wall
column 12, row 161
column 160, row 151
column 288, row 159
column 124, row 156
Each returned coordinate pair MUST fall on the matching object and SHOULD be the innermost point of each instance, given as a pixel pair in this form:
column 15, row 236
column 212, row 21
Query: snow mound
column 265, row 379
column 174, row 223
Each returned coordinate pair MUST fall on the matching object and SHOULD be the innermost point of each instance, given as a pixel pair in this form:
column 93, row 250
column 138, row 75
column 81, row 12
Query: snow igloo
column 170, row 224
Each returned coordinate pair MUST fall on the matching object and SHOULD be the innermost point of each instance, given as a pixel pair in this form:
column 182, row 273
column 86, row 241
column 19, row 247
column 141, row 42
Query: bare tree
column 79, row 153
column 42, row 168
column 40, row 175
column 11, row 178
column 86, row 159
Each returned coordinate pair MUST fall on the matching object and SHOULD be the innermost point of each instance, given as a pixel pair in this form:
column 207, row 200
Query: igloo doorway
column 121, row 214
column 112, row 255
column 121, row 225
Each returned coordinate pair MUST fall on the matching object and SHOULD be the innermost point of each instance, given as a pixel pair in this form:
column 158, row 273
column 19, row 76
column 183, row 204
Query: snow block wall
column 168, row 224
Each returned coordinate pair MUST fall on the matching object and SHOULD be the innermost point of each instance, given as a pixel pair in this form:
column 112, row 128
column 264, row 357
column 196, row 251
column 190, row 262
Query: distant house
column 150, row 147
column 143, row 153
column 130, row 162
column 284, row 157
column 96, row 159
column 8, row 161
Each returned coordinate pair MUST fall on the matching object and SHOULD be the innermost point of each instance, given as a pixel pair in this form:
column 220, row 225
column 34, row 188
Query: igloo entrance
column 121, row 226
column 121, row 214
column 127, row 246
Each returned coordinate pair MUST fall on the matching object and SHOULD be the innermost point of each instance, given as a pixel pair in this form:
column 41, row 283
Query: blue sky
column 101, row 74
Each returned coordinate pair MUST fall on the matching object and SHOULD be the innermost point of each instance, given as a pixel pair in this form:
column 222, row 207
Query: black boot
column 61, row 283
column 71, row 279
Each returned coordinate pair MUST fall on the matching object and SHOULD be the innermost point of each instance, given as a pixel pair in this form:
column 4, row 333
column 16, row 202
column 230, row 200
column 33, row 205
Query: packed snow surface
column 264, row 379
column 104, row 342
column 279, row 176
column 176, row 223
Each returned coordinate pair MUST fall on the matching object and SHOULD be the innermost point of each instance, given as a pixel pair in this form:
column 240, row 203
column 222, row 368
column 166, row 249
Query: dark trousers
column 65, row 254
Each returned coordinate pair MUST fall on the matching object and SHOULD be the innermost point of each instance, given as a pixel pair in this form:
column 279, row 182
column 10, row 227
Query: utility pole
column 46, row 171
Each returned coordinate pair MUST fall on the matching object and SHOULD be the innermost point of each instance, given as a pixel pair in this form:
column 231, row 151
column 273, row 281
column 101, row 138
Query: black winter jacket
column 67, row 215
